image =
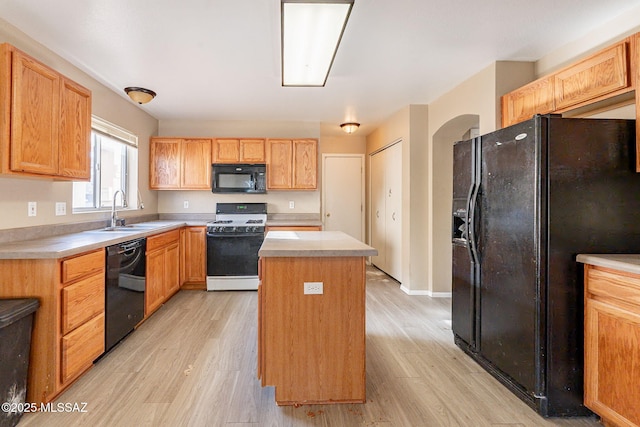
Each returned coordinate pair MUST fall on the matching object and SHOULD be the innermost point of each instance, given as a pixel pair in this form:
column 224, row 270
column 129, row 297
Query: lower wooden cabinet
column 81, row 347
column 193, row 257
column 82, row 313
column 612, row 345
column 68, row 328
column 163, row 269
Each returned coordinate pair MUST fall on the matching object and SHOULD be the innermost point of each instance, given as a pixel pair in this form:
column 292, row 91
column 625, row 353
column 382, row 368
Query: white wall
column 111, row 106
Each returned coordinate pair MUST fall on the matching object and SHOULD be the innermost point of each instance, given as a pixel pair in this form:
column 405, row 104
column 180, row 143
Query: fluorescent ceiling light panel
column 311, row 33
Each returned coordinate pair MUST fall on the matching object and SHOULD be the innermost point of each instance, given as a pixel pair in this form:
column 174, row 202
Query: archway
column 456, row 129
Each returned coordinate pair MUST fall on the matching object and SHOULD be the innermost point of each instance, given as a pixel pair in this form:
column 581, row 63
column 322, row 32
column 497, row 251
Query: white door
column 343, row 193
column 386, row 209
column 377, row 210
column 393, row 210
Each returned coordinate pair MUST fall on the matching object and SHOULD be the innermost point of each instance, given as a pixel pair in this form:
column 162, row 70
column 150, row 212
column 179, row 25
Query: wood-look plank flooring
column 193, row 363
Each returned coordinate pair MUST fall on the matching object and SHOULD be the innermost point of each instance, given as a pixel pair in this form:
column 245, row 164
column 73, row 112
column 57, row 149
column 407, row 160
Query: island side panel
column 38, row 278
column 314, row 345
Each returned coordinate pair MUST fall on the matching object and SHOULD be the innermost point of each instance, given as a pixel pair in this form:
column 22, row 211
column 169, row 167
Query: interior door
column 377, row 210
column 386, row 209
column 393, row 210
column 343, row 194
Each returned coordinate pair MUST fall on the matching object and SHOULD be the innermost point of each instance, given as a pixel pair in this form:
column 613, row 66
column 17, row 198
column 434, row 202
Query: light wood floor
column 193, row 363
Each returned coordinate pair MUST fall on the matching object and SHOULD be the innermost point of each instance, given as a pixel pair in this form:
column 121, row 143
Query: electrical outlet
column 61, row 208
column 185, row 204
column 32, row 208
column 313, row 288
column 292, row 204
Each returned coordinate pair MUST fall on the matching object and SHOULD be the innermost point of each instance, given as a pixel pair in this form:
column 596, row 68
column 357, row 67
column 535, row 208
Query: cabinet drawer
column 83, row 265
column 159, row 240
column 618, row 285
column 81, row 347
column 81, row 301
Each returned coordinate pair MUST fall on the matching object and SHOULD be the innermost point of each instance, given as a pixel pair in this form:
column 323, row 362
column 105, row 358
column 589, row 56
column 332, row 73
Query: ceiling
column 220, row 59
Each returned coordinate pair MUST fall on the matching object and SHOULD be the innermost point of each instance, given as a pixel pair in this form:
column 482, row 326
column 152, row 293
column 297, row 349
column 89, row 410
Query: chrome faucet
column 114, row 212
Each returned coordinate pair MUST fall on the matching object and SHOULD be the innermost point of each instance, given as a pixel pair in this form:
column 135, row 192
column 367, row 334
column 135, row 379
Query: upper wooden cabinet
column 292, row 164
column 177, row 163
column 534, row 98
column 234, row 150
column 46, row 120
column 604, row 74
column 599, row 74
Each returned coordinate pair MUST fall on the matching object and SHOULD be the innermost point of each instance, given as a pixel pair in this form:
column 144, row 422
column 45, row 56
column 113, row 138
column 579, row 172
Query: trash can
column 16, row 319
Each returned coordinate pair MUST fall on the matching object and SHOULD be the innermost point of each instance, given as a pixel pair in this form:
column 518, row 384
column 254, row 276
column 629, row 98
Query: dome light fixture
column 140, row 94
column 350, row 127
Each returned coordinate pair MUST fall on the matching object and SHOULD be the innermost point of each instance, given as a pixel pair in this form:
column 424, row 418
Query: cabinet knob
column 328, row 214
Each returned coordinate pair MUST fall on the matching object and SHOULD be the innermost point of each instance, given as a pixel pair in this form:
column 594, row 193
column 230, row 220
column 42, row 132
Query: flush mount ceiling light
column 140, row 94
column 311, row 32
column 350, row 127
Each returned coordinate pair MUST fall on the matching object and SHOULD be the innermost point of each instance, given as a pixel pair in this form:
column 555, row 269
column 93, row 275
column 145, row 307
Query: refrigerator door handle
column 471, row 222
column 472, row 202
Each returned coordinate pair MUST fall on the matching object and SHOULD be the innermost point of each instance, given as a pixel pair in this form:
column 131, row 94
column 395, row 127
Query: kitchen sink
column 125, row 228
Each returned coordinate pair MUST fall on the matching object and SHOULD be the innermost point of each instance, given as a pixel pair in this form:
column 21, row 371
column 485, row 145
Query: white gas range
column 233, row 241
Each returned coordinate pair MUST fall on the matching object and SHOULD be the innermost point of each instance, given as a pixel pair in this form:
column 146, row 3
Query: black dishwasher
column 125, row 287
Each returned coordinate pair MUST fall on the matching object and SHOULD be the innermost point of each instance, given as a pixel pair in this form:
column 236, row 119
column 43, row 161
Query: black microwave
column 238, row 178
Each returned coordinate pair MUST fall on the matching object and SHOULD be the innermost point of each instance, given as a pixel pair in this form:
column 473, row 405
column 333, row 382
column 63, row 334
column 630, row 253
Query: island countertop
column 313, row 244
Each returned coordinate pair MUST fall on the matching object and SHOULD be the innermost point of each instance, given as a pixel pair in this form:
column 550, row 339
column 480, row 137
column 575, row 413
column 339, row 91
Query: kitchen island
column 311, row 317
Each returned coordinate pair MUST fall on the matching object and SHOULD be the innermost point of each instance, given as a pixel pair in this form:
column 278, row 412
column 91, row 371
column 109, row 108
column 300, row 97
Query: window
column 114, row 161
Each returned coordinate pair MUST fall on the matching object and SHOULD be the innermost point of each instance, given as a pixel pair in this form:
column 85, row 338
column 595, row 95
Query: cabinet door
column 597, row 75
column 164, row 164
column 612, row 362
column 226, row 150
column 523, row 103
column 305, row 164
column 154, row 294
column 75, row 131
column 196, row 164
column 252, row 151
column 171, row 270
column 35, row 117
column 194, row 255
column 279, row 163
column 81, row 347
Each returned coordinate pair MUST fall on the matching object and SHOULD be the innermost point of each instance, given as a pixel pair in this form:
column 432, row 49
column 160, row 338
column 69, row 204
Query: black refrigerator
column 526, row 200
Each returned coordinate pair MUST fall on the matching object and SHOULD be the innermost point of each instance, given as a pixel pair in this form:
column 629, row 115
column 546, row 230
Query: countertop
column 72, row 244
column 629, row 263
column 313, row 244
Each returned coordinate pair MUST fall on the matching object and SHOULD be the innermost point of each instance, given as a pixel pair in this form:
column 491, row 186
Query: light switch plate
column 292, row 204
column 32, row 208
column 313, row 288
column 61, row 208
column 185, row 204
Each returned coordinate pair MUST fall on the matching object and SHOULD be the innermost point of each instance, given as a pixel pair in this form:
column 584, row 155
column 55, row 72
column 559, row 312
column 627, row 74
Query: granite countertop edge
column 629, row 263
